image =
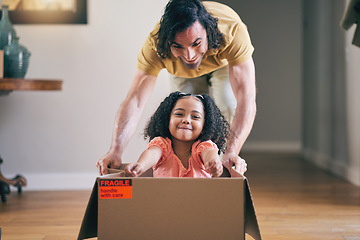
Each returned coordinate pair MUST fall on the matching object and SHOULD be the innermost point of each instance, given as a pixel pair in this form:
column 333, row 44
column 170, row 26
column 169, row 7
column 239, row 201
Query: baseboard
column 59, row 181
column 270, row 146
column 337, row 167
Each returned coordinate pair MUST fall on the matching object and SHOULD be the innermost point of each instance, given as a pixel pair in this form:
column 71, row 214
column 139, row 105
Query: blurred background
column 306, row 70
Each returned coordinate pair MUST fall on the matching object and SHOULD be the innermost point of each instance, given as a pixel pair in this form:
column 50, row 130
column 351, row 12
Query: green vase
column 16, row 60
column 7, row 32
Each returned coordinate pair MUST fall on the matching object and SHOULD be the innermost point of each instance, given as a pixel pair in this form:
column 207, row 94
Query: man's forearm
column 242, row 79
column 241, row 127
column 130, row 111
column 126, row 122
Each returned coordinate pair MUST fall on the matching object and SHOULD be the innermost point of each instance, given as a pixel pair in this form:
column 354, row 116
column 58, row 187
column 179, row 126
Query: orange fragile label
column 115, row 189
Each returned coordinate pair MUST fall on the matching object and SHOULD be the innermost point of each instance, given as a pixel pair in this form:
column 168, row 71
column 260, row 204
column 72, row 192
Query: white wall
column 52, row 136
column 352, row 172
column 55, row 138
column 275, row 29
column 331, row 133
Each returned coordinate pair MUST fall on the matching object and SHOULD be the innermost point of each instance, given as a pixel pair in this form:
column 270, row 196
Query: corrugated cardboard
column 170, row 209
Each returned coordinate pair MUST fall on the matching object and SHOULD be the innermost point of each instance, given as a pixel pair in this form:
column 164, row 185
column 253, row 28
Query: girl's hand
column 232, row 159
column 147, row 160
column 214, row 167
column 212, row 162
column 133, row 170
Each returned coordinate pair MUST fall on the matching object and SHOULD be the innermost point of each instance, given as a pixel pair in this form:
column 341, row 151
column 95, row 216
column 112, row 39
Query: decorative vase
column 7, row 32
column 16, row 60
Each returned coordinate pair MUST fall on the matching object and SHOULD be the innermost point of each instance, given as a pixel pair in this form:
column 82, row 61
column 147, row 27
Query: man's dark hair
column 215, row 128
column 178, row 16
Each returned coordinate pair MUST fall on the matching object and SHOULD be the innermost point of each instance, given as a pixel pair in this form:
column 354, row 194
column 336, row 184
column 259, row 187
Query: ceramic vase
column 16, row 60
column 7, row 32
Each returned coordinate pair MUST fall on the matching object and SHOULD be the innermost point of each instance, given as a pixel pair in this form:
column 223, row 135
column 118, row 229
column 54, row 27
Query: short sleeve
column 165, row 145
column 159, row 142
column 205, row 145
column 239, row 48
column 148, row 60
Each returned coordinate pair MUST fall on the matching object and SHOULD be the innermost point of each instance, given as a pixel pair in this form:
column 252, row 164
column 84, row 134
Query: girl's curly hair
column 178, row 16
column 215, row 128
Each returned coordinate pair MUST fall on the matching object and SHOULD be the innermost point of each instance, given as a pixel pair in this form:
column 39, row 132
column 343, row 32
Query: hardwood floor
column 293, row 200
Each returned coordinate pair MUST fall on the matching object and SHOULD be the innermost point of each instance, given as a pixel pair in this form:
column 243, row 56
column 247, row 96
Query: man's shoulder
column 220, row 10
column 228, row 20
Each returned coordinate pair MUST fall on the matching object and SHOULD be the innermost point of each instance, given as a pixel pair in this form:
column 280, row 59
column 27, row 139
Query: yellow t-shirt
column 235, row 49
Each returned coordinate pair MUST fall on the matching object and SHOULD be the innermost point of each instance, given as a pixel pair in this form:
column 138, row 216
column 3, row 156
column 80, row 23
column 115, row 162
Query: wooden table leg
column 18, row 181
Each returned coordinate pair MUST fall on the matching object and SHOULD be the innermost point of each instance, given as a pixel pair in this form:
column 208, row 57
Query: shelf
column 8, row 85
column 21, row 84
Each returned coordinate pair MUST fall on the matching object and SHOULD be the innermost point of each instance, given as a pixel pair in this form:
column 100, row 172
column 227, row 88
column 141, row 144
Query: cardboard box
column 170, row 208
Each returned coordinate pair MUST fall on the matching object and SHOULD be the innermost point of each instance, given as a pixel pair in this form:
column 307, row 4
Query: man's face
column 190, row 45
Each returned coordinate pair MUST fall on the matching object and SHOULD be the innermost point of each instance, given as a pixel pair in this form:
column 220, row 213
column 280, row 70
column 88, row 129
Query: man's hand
column 110, row 160
column 232, row 159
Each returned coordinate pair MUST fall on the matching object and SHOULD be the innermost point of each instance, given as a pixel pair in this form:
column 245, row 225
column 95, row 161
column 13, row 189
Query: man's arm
column 127, row 119
column 242, row 80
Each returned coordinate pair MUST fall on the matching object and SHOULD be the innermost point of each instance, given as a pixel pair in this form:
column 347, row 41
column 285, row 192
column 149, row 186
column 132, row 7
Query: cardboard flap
column 251, row 223
column 121, row 171
column 90, row 221
column 234, row 174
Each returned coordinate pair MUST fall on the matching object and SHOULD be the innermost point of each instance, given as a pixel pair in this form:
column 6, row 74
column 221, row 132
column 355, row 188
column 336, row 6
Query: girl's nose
column 185, row 121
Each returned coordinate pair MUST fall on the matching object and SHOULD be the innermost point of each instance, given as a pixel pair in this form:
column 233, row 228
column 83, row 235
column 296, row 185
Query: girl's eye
column 196, row 44
column 196, row 117
column 178, row 114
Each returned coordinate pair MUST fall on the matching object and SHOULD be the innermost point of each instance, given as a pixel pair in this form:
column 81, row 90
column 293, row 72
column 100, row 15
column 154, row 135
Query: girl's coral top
column 170, row 165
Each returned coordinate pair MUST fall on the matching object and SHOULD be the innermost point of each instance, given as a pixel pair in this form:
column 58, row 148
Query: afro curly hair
column 215, row 128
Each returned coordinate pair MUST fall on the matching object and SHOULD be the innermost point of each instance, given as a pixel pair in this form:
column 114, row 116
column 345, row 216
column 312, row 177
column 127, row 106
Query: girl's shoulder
column 199, row 146
column 163, row 143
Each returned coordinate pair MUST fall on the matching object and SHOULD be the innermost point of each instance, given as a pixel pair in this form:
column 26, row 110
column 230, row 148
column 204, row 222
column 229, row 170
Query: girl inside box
column 186, row 133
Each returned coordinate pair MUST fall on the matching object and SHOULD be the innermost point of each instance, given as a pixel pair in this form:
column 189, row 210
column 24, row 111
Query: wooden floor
column 293, row 200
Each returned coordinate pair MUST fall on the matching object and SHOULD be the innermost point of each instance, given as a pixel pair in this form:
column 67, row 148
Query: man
column 206, row 48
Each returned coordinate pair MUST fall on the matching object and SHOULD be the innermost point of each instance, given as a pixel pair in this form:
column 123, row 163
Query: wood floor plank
column 294, row 200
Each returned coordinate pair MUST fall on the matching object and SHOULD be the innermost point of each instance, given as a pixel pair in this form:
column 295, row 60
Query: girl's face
column 187, row 119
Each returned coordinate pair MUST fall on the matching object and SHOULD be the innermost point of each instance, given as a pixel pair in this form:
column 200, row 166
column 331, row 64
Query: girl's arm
column 212, row 162
column 146, row 160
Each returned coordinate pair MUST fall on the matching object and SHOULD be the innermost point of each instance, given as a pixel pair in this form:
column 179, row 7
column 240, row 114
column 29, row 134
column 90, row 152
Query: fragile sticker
column 115, row 189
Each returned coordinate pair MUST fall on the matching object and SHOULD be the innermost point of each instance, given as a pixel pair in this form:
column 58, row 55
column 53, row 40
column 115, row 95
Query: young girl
column 187, row 133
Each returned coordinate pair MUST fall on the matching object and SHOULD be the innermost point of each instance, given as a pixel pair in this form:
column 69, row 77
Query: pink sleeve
column 164, row 145
column 205, row 145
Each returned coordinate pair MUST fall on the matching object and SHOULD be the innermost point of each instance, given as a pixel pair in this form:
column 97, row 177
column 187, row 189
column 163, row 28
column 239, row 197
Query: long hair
column 178, row 16
column 215, row 128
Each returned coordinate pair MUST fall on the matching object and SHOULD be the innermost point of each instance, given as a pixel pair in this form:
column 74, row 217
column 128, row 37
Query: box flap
column 90, row 221
column 251, row 223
